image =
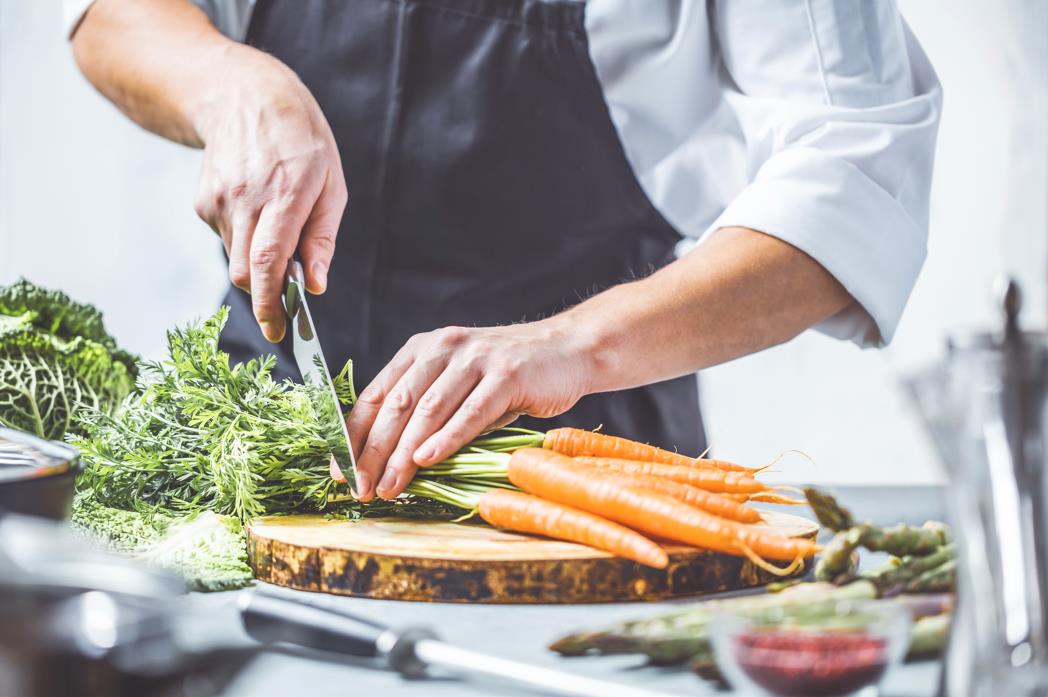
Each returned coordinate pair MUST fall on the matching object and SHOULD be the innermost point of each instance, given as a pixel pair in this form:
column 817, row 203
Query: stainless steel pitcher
column 985, row 407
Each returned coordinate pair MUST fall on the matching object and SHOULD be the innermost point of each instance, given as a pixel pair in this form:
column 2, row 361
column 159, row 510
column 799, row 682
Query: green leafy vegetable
column 55, row 359
column 202, row 434
column 207, row 550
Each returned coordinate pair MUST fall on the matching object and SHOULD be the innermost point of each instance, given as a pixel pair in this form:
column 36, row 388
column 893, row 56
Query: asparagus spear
column 830, row 514
column 839, row 558
column 899, row 539
column 678, row 636
column 902, row 540
column 901, row 575
column 942, row 576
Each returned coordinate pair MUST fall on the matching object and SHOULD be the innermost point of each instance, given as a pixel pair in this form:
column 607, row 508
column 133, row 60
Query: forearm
column 165, row 65
column 739, row 292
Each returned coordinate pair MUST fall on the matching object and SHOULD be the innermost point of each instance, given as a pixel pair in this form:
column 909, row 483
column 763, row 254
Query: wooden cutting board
column 398, row 559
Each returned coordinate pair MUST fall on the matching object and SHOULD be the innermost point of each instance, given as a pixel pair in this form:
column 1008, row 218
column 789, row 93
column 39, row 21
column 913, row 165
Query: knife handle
column 271, row 619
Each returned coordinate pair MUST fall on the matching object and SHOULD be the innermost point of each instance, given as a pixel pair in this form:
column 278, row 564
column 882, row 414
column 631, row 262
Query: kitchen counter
column 523, row 631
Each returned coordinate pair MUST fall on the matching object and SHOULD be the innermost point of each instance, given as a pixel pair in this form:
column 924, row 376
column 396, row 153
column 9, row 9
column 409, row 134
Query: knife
column 315, row 374
column 271, row 617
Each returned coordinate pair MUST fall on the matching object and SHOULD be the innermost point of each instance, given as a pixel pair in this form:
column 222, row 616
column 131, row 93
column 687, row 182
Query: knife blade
column 315, row 374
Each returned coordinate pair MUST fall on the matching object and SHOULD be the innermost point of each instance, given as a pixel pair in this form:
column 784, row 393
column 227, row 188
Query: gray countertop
column 523, row 631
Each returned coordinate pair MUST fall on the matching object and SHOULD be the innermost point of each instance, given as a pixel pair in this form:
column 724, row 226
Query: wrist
column 247, row 80
column 591, row 346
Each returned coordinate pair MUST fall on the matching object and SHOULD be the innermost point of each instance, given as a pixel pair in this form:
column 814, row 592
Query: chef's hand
column 271, row 181
column 447, row 386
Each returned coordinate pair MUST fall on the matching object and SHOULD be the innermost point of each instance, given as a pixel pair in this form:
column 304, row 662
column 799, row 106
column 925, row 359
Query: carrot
column 558, row 478
column 513, row 510
column 709, row 479
column 693, row 496
column 575, row 442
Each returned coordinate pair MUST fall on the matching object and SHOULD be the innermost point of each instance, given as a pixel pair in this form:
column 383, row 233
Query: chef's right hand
column 271, row 181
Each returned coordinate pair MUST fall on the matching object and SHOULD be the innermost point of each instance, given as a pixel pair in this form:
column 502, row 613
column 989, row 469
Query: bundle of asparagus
column 924, row 549
column 920, row 575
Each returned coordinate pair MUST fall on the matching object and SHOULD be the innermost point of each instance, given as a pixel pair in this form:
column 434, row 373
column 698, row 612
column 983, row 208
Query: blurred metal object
column 37, row 476
column 985, row 408
column 316, row 376
column 413, row 652
column 75, row 620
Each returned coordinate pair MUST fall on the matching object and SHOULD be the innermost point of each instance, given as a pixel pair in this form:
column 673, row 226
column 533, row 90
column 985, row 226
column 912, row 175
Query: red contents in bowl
column 812, row 664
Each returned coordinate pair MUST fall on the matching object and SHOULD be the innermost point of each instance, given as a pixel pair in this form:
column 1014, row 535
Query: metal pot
column 37, row 477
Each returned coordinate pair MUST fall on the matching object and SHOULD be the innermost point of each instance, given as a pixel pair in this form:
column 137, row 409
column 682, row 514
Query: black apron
column 487, row 185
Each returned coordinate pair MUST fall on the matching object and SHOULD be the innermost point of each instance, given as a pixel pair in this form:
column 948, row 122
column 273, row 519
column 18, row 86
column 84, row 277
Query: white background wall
column 92, row 204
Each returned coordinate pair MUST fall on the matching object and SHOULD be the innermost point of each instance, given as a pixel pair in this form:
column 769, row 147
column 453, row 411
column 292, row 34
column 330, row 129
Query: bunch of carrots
column 614, row 494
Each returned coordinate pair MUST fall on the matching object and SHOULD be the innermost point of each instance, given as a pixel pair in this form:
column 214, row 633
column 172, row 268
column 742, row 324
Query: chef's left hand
column 445, row 387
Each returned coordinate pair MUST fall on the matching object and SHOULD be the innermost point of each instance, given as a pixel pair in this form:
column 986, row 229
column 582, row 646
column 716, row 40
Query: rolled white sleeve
column 231, row 17
column 839, row 110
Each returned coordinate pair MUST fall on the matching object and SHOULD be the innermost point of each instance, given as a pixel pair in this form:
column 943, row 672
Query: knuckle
column 371, row 396
column 449, row 337
column 431, row 404
column 203, row 208
column 507, row 371
column 240, row 277
column 322, row 239
column 398, row 401
column 265, row 255
column 373, row 450
column 237, row 191
column 472, row 409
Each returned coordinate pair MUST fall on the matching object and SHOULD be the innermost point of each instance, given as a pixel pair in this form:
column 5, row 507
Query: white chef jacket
column 810, row 120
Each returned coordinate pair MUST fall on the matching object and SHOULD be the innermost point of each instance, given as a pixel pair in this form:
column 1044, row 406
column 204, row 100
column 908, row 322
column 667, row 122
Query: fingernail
column 363, row 484
column 273, row 331
column 320, row 270
column 388, row 483
column 336, row 472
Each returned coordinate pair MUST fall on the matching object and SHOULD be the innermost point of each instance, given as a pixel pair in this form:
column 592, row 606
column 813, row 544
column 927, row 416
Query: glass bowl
column 811, row 649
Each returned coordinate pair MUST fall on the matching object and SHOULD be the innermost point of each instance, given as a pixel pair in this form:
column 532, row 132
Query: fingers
column 276, row 236
column 433, row 410
column 241, row 229
column 379, row 415
column 484, row 406
column 369, row 402
column 317, row 244
column 335, row 472
column 379, row 454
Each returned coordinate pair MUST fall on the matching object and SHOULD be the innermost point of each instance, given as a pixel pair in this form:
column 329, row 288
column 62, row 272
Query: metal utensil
column 985, row 406
column 315, row 374
column 413, row 652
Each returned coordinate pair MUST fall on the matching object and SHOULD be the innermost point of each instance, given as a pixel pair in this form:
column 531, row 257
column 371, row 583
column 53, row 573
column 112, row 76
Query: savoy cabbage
column 56, row 359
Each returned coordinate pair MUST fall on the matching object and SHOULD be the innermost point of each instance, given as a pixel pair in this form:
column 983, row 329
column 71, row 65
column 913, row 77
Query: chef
column 544, row 209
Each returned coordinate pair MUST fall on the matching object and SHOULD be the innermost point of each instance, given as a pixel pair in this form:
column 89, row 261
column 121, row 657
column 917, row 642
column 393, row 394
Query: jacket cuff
column 856, row 230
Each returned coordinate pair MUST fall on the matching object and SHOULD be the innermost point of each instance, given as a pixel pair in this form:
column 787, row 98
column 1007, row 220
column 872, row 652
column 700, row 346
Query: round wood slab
column 399, row 559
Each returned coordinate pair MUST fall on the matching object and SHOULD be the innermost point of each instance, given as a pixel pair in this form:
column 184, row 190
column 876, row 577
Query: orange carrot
column 693, row 496
column 575, row 442
column 709, row 479
column 555, row 477
column 513, row 510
